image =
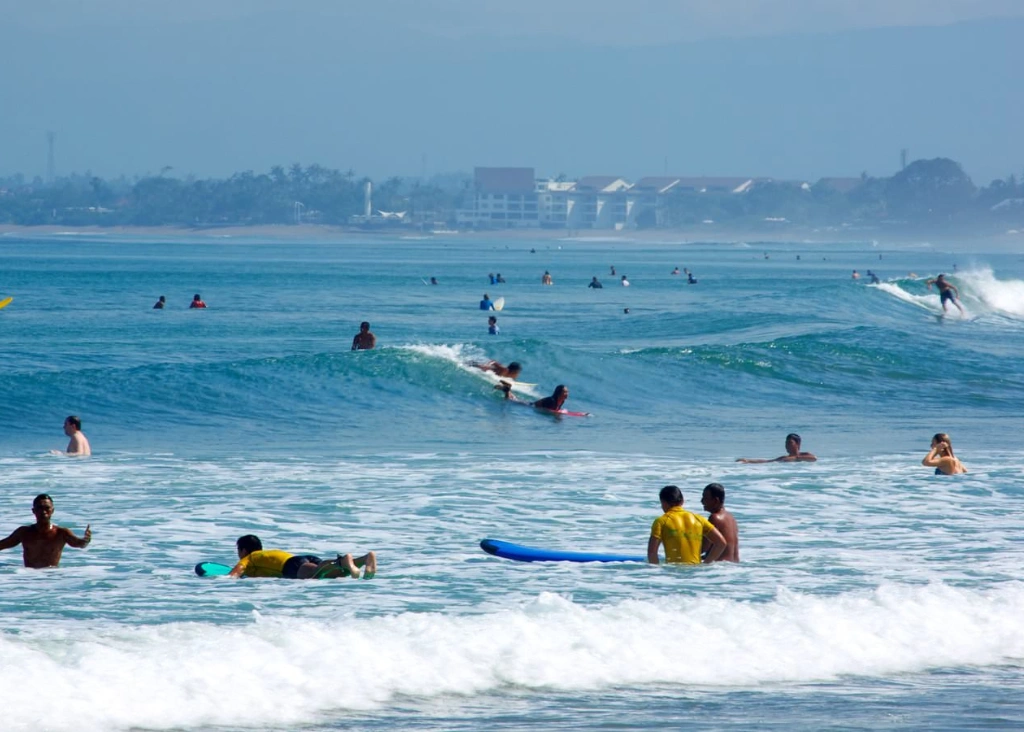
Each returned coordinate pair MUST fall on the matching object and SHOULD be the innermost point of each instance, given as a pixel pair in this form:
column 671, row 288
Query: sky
column 790, row 89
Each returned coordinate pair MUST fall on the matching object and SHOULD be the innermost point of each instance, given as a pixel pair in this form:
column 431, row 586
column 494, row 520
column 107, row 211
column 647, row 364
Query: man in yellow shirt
column 255, row 561
column 682, row 532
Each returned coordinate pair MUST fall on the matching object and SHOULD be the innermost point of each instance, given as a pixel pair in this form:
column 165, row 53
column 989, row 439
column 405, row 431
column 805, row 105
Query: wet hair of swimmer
column 75, row 421
column 794, row 437
column 716, row 491
column 559, row 391
column 364, row 325
column 249, row 543
column 671, row 495
column 515, row 365
column 40, row 498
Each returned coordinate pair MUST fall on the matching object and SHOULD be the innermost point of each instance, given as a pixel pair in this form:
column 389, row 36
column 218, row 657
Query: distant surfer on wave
column 255, row 561
column 364, row 340
column 793, row 454
column 42, row 543
column 947, row 293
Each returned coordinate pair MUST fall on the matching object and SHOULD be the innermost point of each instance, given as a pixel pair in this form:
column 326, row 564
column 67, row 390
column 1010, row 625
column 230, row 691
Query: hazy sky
column 786, row 88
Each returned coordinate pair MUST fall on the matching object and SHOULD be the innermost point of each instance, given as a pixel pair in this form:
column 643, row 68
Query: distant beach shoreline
column 691, row 235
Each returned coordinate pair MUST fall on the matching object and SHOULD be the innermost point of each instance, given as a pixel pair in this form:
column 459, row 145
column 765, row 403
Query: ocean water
column 871, row 595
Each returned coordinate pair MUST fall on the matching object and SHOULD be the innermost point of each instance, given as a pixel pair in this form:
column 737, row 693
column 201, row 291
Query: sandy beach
column 709, row 234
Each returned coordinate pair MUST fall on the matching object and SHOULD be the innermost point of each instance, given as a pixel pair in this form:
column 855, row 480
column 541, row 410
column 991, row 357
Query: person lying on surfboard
column 554, row 402
column 255, row 561
column 506, row 372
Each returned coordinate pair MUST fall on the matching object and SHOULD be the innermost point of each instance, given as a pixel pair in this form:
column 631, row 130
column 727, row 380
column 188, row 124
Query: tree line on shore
column 927, row 193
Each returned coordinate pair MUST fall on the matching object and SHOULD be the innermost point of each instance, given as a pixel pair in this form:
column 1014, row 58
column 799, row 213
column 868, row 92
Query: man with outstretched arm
column 42, row 543
column 793, row 454
column 682, row 533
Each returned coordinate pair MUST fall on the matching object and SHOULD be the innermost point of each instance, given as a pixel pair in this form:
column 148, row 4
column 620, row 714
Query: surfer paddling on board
column 506, row 372
column 553, row 403
column 255, row 561
column 947, row 293
column 683, row 533
column 793, row 454
column 364, row 340
column 42, row 543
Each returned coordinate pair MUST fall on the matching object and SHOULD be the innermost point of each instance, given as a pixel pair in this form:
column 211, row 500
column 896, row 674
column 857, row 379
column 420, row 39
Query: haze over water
column 871, row 593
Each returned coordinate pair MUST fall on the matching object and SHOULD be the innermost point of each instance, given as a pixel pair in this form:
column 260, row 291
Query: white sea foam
column 284, row 670
column 463, row 356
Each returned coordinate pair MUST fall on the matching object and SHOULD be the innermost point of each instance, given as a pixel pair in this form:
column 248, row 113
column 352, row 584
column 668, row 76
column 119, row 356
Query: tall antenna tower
column 903, row 159
column 51, row 168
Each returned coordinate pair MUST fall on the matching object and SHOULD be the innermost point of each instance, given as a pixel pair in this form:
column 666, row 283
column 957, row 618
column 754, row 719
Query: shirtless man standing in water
column 713, row 500
column 42, row 543
column 78, row 445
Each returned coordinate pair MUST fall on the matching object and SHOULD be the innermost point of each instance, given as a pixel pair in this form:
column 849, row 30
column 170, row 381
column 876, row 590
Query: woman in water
column 941, row 457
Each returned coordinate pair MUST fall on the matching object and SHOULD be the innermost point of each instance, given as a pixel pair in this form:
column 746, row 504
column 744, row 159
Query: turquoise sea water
column 871, row 593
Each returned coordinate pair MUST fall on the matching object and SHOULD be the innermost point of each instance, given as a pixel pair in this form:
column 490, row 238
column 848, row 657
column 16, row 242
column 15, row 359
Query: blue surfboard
column 508, row 550
column 212, row 569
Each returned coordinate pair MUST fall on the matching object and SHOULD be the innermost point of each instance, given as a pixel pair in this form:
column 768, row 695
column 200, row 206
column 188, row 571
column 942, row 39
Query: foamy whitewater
column 872, row 594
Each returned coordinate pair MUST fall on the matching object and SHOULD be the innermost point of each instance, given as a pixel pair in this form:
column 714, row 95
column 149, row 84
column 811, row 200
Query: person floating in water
column 546, row 279
column 690, row 279
column 42, row 543
column 713, row 500
column 364, row 340
column 793, row 454
column 941, row 457
column 947, row 293
column 675, row 271
column 492, row 326
column 197, row 302
column 78, row 444
column 161, row 303
column 683, row 533
column 433, row 280
column 490, row 278
column 612, row 268
column 595, row 283
column 486, row 303
column 499, row 279
column 255, row 561
column 856, row 275
column 624, row 282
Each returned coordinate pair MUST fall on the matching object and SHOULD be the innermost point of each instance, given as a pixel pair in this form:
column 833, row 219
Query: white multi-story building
column 507, row 198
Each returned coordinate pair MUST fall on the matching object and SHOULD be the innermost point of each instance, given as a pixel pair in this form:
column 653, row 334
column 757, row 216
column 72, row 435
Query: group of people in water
column 196, row 304
column 687, row 538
